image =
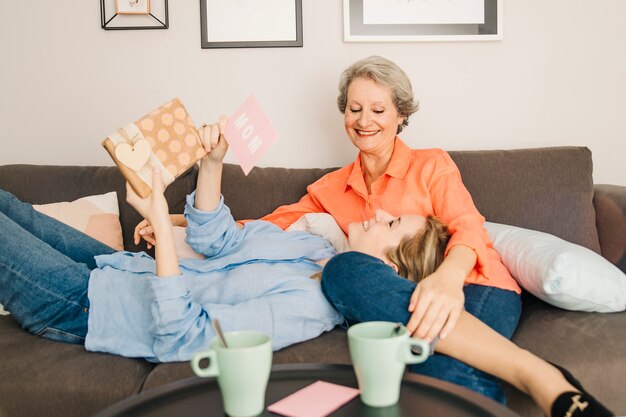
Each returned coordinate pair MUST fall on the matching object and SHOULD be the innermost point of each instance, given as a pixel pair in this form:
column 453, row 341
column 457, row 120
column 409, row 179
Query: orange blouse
column 416, row 182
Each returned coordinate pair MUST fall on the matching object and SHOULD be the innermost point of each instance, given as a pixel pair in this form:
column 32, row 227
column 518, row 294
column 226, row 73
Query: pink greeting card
column 316, row 400
column 250, row 134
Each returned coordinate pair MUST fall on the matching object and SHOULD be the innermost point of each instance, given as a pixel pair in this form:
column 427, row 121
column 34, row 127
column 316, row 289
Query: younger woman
column 363, row 286
column 63, row 285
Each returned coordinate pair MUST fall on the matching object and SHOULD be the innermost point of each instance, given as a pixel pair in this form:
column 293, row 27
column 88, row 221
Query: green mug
column 380, row 351
column 242, row 370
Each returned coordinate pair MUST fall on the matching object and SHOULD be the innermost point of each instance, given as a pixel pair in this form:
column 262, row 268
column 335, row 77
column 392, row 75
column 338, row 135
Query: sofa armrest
column 610, row 204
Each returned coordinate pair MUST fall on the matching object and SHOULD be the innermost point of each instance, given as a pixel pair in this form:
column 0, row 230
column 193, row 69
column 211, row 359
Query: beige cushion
column 97, row 216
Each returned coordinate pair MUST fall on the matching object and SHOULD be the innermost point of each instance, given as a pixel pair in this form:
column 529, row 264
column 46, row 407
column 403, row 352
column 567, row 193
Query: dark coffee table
column 420, row 396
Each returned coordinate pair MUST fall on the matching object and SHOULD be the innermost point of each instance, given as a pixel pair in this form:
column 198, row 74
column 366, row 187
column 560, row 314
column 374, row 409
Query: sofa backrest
column 546, row 189
column 265, row 189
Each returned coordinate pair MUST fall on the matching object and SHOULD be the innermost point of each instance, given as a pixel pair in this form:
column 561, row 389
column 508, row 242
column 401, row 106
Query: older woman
column 376, row 98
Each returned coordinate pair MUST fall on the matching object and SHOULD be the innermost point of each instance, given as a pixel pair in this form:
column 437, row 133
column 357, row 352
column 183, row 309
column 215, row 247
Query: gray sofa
column 547, row 189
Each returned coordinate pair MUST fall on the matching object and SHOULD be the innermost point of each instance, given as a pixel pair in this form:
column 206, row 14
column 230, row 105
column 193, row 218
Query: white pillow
column 324, row 225
column 558, row 272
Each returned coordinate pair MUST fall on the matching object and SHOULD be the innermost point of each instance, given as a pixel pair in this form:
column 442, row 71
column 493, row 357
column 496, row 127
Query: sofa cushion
column 545, row 189
column 60, row 378
column 96, row 215
column 590, row 345
column 265, row 189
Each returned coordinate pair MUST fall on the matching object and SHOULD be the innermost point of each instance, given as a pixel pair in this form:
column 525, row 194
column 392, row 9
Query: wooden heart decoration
column 133, row 156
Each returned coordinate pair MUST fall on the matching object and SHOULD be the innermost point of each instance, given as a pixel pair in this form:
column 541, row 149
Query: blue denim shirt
column 256, row 277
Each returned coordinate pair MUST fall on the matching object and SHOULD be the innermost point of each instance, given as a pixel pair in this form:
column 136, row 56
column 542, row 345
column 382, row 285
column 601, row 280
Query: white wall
column 557, row 78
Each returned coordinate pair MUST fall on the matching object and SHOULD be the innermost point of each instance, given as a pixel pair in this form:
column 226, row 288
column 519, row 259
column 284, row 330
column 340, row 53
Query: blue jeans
column 44, row 271
column 363, row 288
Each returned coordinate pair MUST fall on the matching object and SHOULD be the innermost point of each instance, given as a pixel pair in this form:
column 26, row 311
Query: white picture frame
column 355, row 30
column 250, row 23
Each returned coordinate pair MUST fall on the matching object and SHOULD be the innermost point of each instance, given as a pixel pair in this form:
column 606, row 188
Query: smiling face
column 378, row 235
column 371, row 119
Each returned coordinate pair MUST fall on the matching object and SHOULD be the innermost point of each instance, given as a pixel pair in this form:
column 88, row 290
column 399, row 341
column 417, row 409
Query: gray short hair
column 387, row 74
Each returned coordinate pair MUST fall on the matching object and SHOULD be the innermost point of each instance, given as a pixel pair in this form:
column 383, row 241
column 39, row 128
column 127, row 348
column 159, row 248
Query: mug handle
column 412, row 358
column 210, row 370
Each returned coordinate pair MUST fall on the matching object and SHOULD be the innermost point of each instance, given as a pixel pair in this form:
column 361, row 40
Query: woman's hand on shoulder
column 213, row 140
column 436, row 304
column 144, row 230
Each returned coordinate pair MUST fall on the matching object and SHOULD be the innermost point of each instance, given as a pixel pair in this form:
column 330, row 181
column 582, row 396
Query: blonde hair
column 387, row 74
column 420, row 255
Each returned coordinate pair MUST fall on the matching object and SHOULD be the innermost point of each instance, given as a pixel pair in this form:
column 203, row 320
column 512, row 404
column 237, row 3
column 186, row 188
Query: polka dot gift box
column 165, row 138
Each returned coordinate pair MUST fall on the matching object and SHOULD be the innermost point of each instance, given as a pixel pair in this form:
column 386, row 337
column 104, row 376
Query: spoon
column 396, row 330
column 216, row 326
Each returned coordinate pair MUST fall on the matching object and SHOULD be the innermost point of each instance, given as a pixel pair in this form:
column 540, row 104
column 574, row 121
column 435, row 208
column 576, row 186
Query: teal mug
column 380, row 352
column 242, row 370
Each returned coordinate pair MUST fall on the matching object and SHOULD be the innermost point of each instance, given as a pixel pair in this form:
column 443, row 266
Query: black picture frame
column 207, row 43
column 157, row 18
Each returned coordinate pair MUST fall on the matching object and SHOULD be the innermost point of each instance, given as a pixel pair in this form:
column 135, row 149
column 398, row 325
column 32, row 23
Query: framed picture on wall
column 422, row 20
column 133, row 14
column 251, row 24
column 132, row 6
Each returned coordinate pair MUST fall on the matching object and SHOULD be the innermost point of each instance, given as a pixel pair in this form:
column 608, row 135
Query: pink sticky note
column 316, row 400
column 250, row 134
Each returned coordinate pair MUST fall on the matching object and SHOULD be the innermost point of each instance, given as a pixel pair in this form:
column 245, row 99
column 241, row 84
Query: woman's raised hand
column 154, row 207
column 155, row 210
column 213, row 140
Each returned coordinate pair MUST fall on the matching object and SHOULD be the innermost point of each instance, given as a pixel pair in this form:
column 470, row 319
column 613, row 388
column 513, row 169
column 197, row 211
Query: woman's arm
column 211, row 230
column 209, row 185
column 154, row 208
column 212, row 233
